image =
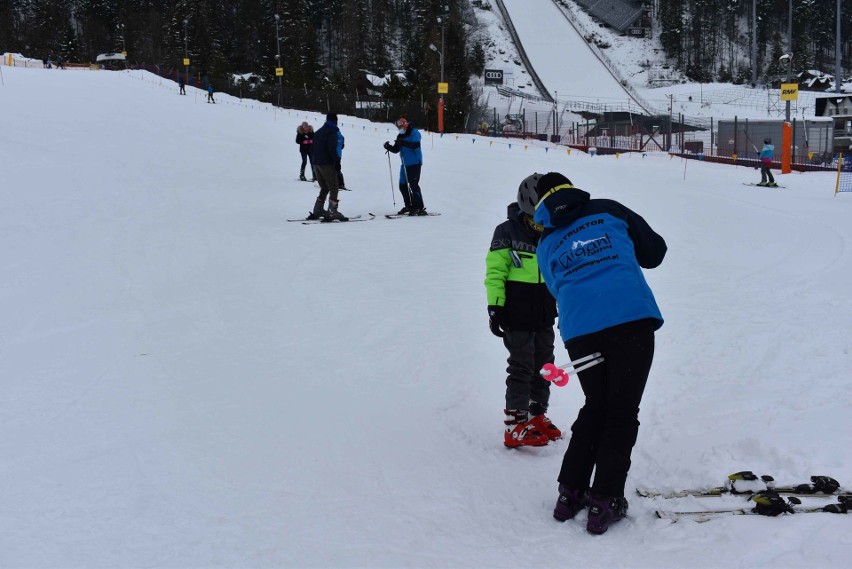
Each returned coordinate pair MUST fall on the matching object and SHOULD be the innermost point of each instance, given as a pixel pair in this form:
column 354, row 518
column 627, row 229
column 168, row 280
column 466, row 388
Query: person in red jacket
column 305, row 138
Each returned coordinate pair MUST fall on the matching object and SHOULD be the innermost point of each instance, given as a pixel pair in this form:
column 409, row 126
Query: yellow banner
column 789, row 91
column 186, row 61
column 279, row 72
column 443, row 87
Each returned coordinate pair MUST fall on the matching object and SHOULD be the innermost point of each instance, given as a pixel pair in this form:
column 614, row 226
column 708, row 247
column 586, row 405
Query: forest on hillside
column 711, row 40
column 327, row 46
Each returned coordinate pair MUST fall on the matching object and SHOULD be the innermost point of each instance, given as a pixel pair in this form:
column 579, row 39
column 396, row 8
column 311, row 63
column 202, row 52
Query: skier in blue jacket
column 765, row 156
column 407, row 145
column 591, row 255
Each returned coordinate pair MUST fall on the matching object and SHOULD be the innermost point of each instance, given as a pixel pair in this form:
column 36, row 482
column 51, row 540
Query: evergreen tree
column 48, row 25
column 70, row 49
column 671, row 16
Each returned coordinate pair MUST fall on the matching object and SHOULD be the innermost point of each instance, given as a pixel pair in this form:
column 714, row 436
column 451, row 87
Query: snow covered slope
column 190, row 381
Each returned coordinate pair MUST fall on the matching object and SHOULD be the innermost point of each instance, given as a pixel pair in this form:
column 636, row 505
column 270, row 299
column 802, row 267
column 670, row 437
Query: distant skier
column 326, row 152
column 407, row 145
column 305, row 140
column 210, row 98
column 182, row 85
column 521, row 311
column 766, row 154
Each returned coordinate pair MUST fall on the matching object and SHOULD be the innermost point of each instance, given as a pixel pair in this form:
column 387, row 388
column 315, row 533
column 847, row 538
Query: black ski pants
column 409, row 186
column 605, row 431
column 306, row 157
column 529, row 350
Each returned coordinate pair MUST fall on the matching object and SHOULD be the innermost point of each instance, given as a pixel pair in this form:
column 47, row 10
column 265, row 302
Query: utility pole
column 671, row 109
column 789, row 54
column 838, row 79
column 754, row 43
column 278, row 70
column 442, row 87
column 185, row 52
column 123, row 45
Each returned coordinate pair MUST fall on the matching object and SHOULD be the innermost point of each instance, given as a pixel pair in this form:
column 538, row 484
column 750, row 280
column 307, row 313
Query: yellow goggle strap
column 551, row 192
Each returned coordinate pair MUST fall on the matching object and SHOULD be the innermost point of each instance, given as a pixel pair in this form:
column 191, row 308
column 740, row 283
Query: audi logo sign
column 493, row 76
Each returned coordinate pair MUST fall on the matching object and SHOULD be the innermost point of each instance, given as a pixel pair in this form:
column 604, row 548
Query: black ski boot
column 605, row 511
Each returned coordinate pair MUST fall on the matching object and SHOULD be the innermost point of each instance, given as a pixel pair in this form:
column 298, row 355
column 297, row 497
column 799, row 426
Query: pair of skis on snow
column 761, row 186
column 764, row 497
column 368, row 217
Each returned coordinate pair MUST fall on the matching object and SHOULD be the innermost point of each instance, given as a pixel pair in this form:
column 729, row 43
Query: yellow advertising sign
column 279, row 72
column 186, row 61
column 789, row 91
column 443, row 87
column 124, row 53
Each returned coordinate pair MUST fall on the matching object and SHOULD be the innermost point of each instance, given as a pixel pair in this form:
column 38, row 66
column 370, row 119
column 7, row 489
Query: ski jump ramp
column 563, row 60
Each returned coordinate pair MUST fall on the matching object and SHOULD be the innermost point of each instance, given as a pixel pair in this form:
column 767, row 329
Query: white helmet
column 527, row 196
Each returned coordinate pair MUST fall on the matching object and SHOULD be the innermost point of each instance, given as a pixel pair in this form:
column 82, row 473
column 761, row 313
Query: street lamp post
column 278, row 57
column 185, row 52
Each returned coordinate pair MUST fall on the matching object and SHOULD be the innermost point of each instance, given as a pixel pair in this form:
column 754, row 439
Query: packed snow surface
column 191, row 381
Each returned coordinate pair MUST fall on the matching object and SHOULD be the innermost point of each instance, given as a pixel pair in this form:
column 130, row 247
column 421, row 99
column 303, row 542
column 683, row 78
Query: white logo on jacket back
column 586, row 249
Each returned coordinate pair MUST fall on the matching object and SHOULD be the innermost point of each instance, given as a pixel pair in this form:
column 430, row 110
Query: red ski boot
column 520, row 430
column 542, row 424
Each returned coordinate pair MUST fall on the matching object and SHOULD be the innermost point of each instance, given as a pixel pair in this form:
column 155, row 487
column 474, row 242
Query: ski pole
column 390, row 176
column 558, row 374
column 745, row 132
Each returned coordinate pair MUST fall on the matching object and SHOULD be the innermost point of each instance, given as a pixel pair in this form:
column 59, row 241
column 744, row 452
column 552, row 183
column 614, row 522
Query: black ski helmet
column 767, row 141
column 527, row 196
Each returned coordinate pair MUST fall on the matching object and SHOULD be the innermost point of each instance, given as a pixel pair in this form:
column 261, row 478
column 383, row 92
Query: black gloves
column 387, row 145
column 495, row 320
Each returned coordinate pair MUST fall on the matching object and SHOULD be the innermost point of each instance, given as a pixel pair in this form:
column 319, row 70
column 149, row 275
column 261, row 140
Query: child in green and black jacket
column 521, row 310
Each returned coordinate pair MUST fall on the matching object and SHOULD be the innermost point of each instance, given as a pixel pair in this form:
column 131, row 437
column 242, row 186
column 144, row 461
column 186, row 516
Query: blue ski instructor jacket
column 591, row 256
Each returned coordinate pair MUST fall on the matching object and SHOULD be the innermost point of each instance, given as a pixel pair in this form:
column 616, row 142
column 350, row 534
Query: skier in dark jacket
column 521, row 311
column 326, row 152
column 305, row 140
column 407, row 145
column 591, row 254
